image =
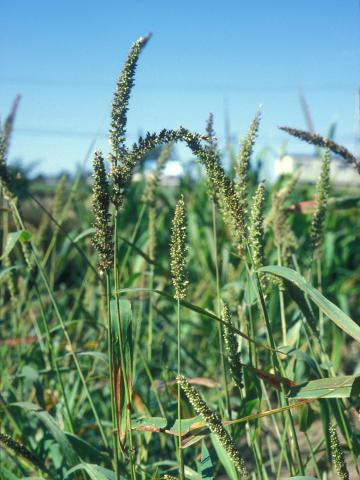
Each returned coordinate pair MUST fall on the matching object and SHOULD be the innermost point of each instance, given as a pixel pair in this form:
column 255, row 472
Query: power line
column 66, row 133
column 193, row 87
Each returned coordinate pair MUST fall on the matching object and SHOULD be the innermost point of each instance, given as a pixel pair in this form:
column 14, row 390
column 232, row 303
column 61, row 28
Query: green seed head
column 121, row 100
column 213, row 420
column 178, row 249
column 337, row 455
column 5, row 134
column 322, row 195
column 256, row 230
column 243, row 163
column 231, row 346
column 102, row 239
column 284, row 237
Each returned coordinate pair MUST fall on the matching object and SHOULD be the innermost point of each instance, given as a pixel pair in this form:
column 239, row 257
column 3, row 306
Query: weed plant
column 204, row 330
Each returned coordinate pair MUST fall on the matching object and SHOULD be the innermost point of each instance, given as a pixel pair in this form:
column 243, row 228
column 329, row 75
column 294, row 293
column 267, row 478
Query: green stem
column 276, row 362
column 180, row 454
column 220, row 329
column 63, row 327
column 124, row 367
column 282, row 306
column 112, row 373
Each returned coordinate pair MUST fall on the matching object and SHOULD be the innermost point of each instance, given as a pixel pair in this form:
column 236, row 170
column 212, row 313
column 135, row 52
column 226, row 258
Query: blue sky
column 64, row 58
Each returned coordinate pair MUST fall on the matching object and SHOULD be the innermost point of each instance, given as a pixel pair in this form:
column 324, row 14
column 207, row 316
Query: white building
column 342, row 174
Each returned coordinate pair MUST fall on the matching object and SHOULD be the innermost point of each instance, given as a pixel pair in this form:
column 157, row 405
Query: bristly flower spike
column 213, row 420
column 222, row 189
column 284, row 237
column 337, row 455
column 5, row 134
column 256, row 230
column 322, row 195
column 120, row 171
column 102, row 239
column 243, row 163
column 318, row 140
column 231, row 346
column 178, row 250
column 121, row 98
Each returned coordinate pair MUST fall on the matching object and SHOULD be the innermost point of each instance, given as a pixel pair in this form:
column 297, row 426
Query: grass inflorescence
column 120, row 301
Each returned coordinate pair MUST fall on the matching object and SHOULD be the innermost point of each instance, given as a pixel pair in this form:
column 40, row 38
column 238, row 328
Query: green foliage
column 88, row 384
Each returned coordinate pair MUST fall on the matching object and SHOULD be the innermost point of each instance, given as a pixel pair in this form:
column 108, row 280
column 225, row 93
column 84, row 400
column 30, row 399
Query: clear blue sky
column 64, row 58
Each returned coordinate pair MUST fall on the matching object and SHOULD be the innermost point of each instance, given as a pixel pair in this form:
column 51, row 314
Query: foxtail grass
column 178, row 249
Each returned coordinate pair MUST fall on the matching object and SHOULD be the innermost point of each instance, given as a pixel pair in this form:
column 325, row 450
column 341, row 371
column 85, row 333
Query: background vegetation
column 90, row 355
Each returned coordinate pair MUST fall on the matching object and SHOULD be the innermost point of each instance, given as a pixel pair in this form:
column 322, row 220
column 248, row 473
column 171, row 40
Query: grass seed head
column 102, row 239
column 337, row 455
column 5, row 134
column 318, row 140
column 243, row 163
column 284, row 237
column 231, row 346
column 178, row 250
column 213, row 420
column 256, row 229
column 121, row 99
column 322, row 195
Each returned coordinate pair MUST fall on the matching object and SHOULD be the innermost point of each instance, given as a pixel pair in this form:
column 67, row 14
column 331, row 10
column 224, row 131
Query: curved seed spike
column 318, row 140
column 213, row 420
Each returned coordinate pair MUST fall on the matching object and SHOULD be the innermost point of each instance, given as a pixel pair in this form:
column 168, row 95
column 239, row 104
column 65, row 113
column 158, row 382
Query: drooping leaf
column 333, row 312
column 195, row 308
column 338, row 387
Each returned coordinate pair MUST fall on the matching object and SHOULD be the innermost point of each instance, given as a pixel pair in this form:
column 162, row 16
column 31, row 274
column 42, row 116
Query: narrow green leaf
column 206, row 463
column 70, row 456
column 95, row 472
column 306, row 477
column 85, row 233
column 224, row 458
column 333, row 312
column 85, row 450
column 195, row 308
column 6, row 474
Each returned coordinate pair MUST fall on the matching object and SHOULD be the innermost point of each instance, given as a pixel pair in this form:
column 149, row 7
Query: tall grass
column 130, row 349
